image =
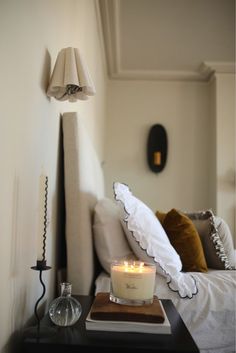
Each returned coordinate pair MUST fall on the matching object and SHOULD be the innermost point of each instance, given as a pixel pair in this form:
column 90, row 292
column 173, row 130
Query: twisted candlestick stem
column 45, row 217
column 39, row 299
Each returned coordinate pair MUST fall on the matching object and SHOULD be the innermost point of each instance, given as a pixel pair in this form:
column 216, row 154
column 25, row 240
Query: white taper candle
column 41, row 212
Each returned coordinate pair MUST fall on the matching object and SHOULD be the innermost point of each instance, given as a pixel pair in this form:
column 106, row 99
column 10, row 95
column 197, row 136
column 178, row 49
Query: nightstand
column 77, row 339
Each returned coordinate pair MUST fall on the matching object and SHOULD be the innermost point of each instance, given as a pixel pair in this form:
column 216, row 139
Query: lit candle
column 42, row 221
column 132, row 282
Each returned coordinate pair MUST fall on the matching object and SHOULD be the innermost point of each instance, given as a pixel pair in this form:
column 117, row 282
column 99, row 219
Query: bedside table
column 77, row 339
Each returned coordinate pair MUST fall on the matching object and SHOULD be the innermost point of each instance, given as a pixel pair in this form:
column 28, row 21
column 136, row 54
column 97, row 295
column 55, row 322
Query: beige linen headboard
column 84, row 185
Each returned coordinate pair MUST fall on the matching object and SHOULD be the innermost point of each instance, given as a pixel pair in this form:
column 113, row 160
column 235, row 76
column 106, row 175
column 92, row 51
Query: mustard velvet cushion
column 161, row 216
column 185, row 239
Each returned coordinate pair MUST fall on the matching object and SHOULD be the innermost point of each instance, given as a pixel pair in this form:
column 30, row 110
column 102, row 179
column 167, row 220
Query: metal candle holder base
column 40, row 266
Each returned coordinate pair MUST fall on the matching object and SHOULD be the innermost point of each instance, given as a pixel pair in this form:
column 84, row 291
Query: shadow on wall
column 46, row 72
column 227, row 181
column 14, row 343
column 60, row 245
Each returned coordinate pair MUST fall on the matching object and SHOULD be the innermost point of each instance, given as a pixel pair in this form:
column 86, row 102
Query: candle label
column 132, row 280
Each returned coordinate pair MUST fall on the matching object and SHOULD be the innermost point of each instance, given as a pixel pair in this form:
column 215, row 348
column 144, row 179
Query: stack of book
column 105, row 315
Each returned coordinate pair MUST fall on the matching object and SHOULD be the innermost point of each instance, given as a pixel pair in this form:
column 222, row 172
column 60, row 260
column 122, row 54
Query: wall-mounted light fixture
column 70, row 78
column 157, row 148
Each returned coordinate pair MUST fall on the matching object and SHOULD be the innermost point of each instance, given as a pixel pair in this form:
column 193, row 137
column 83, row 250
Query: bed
column 96, row 233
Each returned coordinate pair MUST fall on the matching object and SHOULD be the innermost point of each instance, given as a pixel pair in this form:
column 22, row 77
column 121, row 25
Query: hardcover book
column 105, row 315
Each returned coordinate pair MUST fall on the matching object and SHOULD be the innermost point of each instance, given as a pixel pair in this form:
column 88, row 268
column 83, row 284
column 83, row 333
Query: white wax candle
column 41, row 215
column 133, row 281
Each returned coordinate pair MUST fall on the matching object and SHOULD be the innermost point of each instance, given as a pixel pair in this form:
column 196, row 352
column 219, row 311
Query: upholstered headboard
column 84, row 185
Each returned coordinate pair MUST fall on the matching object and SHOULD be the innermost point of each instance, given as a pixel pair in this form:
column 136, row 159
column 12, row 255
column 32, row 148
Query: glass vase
column 65, row 310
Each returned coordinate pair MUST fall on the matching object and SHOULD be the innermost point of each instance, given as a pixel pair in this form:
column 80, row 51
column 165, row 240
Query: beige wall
column 200, row 123
column 225, row 116
column 212, row 144
column 183, row 109
column 31, row 34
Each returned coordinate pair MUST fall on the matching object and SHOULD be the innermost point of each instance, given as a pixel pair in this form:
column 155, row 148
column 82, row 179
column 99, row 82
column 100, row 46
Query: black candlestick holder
column 40, row 266
column 37, row 331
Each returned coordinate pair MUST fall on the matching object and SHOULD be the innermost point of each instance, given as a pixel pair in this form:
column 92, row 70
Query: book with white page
column 129, row 326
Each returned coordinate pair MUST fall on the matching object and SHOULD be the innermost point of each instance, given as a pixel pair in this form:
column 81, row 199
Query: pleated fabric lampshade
column 70, row 78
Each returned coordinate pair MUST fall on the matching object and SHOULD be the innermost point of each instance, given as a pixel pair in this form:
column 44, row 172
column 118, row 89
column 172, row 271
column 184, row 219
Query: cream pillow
column 109, row 238
column 150, row 242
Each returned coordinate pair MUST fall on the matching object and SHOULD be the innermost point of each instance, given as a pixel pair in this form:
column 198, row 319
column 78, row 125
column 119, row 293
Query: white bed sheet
column 209, row 315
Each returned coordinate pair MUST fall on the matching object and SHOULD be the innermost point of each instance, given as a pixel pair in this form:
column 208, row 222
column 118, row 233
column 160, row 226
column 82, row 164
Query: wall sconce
column 157, row 148
column 70, row 79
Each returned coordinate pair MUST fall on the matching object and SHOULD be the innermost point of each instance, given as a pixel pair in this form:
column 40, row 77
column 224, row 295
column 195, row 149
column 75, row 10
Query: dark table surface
column 77, row 339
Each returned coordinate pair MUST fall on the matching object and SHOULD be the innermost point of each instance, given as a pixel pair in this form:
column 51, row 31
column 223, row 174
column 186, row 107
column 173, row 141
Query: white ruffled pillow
column 150, row 242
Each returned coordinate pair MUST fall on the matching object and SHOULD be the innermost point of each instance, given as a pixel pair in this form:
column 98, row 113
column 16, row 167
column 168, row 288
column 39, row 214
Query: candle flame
column 131, row 267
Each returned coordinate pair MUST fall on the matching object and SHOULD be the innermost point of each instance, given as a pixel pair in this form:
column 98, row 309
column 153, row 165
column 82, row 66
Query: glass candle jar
column 65, row 310
column 132, row 282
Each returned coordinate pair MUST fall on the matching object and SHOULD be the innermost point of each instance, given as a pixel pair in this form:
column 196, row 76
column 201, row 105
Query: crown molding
column 100, row 33
column 110, row 16
column 109, row 12
column 158, row 75
column 208, row 68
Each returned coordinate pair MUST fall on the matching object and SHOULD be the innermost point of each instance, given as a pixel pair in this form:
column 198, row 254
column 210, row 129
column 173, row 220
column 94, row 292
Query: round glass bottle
column 65, row 310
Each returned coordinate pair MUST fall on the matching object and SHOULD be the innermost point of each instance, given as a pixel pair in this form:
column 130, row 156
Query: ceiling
column 168, row 39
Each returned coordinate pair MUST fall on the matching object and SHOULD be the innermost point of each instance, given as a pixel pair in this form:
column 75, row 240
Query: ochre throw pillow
column 185, row 239
column 161, row 216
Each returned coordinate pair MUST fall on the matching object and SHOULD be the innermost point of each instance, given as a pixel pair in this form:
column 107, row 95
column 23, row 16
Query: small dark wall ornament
column 157, row 148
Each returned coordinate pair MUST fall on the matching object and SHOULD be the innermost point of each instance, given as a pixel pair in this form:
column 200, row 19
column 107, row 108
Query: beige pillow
column 216, row 239
column 109, row 239
column 227, row 240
